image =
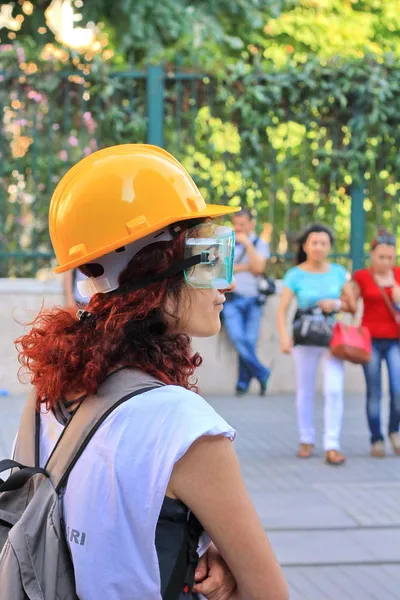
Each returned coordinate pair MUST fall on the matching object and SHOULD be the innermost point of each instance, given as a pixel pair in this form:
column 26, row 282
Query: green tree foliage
column 204, row 32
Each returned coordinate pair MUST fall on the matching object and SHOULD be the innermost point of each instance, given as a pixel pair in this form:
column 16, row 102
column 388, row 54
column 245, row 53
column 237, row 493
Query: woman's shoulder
column 360, row 275
column 188, row 406
column 292, row 273
column 176, row 396
column 338, row 269
column 164, row 422
column 163, row 397
column 174, row 408
column 294, row 269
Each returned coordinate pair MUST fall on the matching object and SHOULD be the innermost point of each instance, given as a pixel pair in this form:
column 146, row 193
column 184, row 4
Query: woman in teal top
column 310, row 288
column 316, row 282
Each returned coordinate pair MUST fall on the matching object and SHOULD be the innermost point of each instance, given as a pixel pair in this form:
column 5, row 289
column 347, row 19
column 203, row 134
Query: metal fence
column 52, row 120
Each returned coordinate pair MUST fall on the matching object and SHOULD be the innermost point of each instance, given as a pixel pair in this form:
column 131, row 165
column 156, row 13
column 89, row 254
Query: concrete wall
column 21, row 299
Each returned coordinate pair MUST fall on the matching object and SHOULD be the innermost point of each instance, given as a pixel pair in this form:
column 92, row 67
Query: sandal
column 305, row 451
column 334, row 457
column 395, row 441
column 378, row 449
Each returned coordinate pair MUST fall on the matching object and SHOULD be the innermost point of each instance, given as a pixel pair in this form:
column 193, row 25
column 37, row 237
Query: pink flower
column 35, row 96
column 41, row 187
column 20, row 55
column 89, row 122
column 56, row 126
column 63, row 155
column 87, row 151
column 93, row 144
column 73, row 141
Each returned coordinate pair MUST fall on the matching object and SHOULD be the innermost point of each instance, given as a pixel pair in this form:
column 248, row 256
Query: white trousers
column 306, row 359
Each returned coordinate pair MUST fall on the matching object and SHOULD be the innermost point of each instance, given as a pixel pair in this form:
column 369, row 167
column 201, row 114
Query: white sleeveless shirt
column 115, row 491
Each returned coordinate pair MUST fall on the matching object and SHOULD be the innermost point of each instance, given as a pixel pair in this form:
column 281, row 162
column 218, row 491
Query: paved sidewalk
column 336, row 530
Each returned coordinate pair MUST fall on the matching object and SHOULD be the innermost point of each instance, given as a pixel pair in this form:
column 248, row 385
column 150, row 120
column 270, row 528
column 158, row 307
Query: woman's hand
column 329, row 306
column 396, row 293
column 286, row 344
column 216, row 582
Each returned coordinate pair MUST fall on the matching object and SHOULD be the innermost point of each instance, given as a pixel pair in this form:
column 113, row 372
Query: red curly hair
column 64, row 355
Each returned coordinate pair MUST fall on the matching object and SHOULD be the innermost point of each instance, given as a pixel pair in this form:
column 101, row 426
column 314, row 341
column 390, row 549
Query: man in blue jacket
column 243, row 311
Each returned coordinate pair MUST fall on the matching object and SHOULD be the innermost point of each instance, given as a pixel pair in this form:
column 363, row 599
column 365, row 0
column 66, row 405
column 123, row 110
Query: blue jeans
column 242, row 320
column 388, row 350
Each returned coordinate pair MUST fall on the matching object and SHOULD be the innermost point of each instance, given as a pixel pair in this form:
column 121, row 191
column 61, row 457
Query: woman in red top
column 379, row 287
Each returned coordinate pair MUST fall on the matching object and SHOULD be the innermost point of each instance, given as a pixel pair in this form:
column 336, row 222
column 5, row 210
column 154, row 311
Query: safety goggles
column 207, row 263
column 209, row 250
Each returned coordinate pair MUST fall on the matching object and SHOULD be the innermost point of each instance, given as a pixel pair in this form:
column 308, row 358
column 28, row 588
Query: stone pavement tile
column 373, row 579
column 316, row 584
column 298, row 509
column 324, row 547
column 293, row 595
column 382, row 544
column 10, row 412
column 389, row 577
column 303, row 586
column 274, row 421
column 291, row 473
column 369, row 504
column 267, row 443
column 357, row 582
column 352, row 581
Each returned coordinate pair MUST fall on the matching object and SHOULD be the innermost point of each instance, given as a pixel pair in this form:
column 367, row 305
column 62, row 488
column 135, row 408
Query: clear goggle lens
column 216, row 246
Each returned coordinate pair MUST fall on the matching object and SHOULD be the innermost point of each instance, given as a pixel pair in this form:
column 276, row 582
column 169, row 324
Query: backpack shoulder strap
column 92, row 412
column 27, row 444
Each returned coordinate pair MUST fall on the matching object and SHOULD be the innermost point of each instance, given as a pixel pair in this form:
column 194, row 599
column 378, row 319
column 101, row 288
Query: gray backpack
column 35, row 562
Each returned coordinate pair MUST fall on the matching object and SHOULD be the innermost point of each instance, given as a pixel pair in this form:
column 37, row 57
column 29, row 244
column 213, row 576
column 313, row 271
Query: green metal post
column 357, row 236
column 155, row 105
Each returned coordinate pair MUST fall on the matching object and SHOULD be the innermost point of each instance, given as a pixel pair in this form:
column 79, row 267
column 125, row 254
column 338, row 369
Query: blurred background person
column 243, row 311
column 315, row 282
column 379, row 288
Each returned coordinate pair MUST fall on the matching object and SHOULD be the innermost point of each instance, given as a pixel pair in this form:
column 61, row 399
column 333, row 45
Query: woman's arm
column 208, row 480
column 284, row 303
column 346, row 303
column 349, row 297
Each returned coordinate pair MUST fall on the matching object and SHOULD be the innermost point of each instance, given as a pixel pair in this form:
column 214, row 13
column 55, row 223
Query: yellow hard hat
column 117, row 196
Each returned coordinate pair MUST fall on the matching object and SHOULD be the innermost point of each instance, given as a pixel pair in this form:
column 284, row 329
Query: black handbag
column 312, row 327
column 266, row 287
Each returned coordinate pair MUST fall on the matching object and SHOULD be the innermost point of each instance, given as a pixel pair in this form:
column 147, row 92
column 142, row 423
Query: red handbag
column 351, row 343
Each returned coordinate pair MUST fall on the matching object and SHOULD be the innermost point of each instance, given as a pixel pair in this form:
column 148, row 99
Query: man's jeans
column 388, row 350
column 242, row 320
